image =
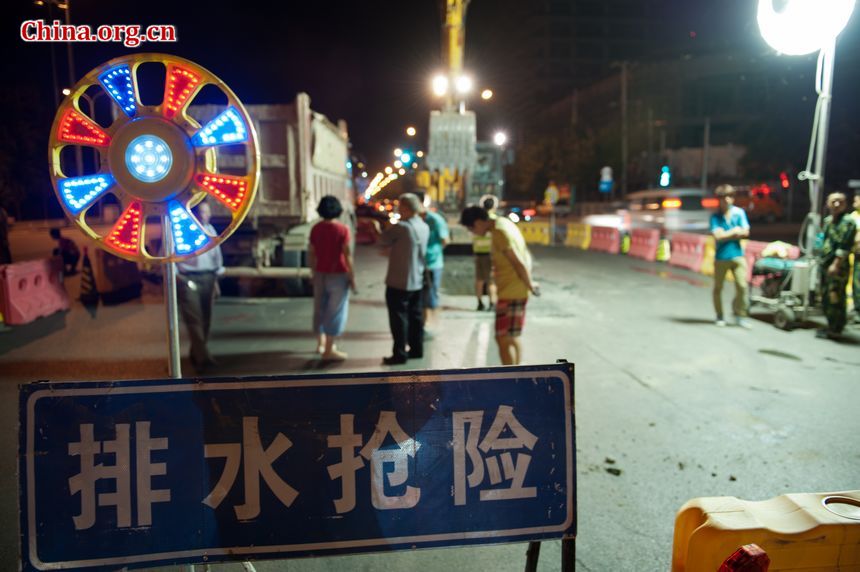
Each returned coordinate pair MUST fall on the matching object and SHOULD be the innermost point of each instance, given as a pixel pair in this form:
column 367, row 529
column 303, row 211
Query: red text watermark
column 130, row 35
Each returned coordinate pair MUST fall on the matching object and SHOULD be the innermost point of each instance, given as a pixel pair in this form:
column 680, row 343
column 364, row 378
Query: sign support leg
column 568, row 554
column 532, row 555
column 174, row 367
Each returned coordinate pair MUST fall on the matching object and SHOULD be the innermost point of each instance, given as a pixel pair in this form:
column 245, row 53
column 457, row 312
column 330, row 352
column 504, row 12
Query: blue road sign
column 137, row 473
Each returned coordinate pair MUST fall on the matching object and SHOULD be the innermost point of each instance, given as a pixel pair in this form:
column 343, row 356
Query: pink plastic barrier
column 752, row 252
column 688, row 250
column 30, row 290
column 605, row 239
column 643, row 243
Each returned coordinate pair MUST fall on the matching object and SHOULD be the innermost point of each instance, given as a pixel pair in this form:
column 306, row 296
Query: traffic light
column 665, row 176
column 783, row 180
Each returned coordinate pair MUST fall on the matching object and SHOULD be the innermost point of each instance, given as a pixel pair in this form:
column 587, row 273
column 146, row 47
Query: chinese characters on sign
column 486, row 456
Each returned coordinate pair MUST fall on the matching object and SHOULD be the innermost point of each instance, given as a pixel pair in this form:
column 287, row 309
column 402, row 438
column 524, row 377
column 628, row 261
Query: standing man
column 481, row 247
column 855, row 216
column 728, row 227
column 197, row 284
column 438, row 239
column 406, row 246
column 839, row 234
column 512, row 268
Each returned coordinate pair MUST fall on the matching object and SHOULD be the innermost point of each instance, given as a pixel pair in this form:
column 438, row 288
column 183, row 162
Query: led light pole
column 804, row 27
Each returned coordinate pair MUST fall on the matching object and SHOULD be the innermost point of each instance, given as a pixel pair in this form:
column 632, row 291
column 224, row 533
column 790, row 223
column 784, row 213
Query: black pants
column 406, row 319
column 196, row 307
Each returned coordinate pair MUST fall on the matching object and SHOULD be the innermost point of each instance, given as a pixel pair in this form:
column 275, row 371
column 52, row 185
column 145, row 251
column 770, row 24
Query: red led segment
column 125, row 234
column 75, row 128
column 231, row 191
column 178, row 88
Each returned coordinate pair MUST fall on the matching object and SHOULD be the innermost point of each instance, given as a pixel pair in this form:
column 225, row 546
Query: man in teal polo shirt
column 728, row 227
column 439, row 238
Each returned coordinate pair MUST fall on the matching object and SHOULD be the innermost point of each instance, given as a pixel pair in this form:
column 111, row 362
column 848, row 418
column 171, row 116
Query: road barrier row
column 643, row 243
column 578, row 235
column 605, row 239
column 535, row 232
column 30, row 290
column 688, row 250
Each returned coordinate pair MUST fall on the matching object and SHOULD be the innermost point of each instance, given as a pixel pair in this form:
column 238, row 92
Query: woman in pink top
column 332, row 266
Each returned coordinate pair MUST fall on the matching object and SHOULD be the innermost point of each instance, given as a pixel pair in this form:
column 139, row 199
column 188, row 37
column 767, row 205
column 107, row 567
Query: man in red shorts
column 512, row 270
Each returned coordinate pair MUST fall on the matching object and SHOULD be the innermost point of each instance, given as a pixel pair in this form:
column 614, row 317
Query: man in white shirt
column 196, row 286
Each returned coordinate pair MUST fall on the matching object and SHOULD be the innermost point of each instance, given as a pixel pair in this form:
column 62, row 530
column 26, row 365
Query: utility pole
column 624, row 128
column 706, row 147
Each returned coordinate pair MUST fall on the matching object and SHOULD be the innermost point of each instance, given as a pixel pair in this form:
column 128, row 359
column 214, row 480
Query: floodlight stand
column 174, row 367
column 818, row 147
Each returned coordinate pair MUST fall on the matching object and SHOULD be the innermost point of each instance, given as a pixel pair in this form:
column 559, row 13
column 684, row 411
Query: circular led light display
column 148, row 158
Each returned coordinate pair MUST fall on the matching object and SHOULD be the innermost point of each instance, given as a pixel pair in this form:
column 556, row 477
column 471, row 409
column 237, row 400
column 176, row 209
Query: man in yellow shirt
column 511, row 267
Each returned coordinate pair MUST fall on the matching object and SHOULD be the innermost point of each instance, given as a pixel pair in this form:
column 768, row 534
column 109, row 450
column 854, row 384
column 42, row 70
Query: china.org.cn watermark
column 131, row 36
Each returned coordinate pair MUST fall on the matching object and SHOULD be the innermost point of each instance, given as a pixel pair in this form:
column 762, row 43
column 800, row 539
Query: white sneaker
column 743, row 323
column 720, row 322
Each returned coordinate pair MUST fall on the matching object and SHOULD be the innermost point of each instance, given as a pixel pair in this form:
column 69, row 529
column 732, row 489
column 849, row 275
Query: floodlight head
column 802, row 26
column 464, row 84
column 440, row 85
column 500, row 138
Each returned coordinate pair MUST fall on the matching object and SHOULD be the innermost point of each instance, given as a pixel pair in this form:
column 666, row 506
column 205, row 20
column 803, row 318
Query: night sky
column 366, row 62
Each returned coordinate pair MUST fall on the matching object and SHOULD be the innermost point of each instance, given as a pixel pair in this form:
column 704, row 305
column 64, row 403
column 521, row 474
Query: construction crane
column 451, row 153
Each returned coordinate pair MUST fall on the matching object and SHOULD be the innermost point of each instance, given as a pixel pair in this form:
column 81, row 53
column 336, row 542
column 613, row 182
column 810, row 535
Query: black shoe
column 393, row 360
column 481, row 306
column 826, row 334
column 416, row 355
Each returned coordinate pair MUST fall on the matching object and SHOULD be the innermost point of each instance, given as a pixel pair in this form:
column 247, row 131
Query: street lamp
column 463, row 84
column 398, row 152
column 500, row 138
column 411, row 131
column 803, row 27
column 487, row 94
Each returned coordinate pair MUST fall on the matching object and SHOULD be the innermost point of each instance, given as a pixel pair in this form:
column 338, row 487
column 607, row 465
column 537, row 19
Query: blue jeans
column 432, row 300
column 331, row 303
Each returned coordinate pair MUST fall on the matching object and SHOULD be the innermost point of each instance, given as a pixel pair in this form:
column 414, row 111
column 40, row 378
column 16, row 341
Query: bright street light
column 420, row 154
column 500, row 138
column 364, row 174
column 410, row 131
column 803, row 26
column 398, row 163
column 487, row 94
column 464, row 84
column 406, row 157
column 402, row 171
column 388, row 170
column 398, row 152
column 440, row 85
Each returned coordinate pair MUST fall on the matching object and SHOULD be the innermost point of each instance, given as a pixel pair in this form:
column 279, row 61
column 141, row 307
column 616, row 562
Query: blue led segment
column 188, row 237
column 226, row 129
column 80, row 192
column 118, row 83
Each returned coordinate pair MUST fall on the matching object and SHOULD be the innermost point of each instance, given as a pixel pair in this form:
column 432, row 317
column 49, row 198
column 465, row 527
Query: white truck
column 303, row 156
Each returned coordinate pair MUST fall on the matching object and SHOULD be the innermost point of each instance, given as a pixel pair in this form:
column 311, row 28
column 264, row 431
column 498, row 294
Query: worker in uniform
column 838, row 241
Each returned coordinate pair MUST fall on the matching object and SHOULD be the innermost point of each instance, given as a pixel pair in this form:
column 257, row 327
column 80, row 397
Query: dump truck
column 303, row 157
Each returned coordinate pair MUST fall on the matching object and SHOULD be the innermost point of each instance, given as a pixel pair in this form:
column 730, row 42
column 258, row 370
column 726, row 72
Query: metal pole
column 825, row 76
column 706, row 147
column 174, row 367
column 623, row 129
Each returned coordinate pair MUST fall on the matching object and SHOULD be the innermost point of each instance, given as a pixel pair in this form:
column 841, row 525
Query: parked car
column 671, row 210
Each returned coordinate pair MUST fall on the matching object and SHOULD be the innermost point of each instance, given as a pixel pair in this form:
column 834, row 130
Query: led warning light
column 125, row 234
column 226, row 129
column 180, row 85
column 148, row 158
column 188, row 237
column 231, row 191
column 118, row 82
column 75, row 128
column 80, row 192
